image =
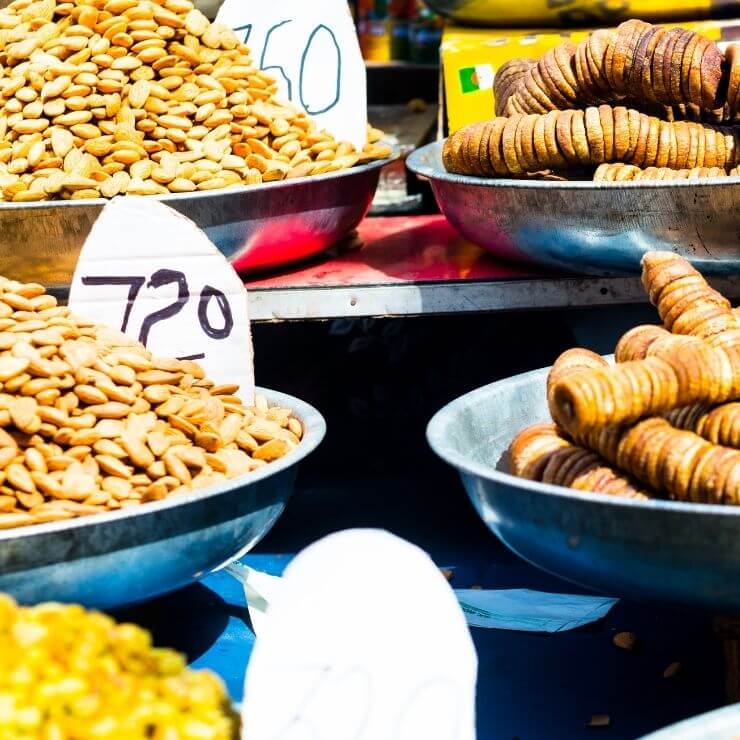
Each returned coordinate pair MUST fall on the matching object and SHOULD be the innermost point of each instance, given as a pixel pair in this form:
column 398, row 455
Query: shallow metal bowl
column 498, row 13
column 653, row 550
column 109, row 560
column 721, row 724
column 256, row 227
column 590, row 227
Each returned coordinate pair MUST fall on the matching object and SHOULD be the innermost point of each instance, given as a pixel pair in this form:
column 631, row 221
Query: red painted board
column 400, row 249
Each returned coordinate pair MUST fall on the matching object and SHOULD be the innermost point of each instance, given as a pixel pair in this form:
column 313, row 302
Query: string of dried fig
column 543, row 454
column 694, row 462
column 715, row 477
column 652, row 452
column 565, row 139
column 717, row 424
column 656, row 372
column 639, row 64
column 620, row 172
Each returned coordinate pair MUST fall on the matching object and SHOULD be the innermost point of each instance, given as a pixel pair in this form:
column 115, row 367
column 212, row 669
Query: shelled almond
column 144, row 97
column 90, row 421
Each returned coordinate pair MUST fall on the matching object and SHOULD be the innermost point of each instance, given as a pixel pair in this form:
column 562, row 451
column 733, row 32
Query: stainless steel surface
column 655, row 550
column 547, row 14
column 255, row 227
column 422, row 299
column 109, row 560
column 588, row 227
column 721, row 724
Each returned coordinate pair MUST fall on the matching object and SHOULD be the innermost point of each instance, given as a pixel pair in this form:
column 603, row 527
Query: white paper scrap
column 344, row 654
column 152, row 273
column 531, row 611
column 519, row 609
column 260, row 590
column 311, row 49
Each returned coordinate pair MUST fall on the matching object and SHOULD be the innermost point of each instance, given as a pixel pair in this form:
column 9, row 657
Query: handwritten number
column 135, row 283
column 320, row 29
column 158, row 279
column 338, row 69
column 167, row 277
column 276, row 66
column 248, row 32
column 205, row 298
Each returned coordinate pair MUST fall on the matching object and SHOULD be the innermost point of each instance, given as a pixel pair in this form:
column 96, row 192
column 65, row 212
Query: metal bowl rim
column 416, row 164
column 730, row 713
column 436, row 438
column 211, row 194
column 314, row 429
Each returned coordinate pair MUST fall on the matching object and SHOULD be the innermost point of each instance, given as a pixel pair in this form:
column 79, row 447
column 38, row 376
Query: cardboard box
column 470, row 58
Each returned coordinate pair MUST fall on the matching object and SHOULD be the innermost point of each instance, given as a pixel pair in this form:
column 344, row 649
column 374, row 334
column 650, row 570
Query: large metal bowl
column 256, row 227
column 653, row 550
column 590, row 227
column 109, row 560
column 545, row 14
column 721, row 724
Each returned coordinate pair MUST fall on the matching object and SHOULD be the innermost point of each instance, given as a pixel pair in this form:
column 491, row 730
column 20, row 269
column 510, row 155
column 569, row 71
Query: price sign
column 152, row 273
column 311, row 49
column 364, row 640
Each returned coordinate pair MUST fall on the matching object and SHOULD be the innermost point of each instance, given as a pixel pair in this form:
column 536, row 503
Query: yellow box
column 470, row 58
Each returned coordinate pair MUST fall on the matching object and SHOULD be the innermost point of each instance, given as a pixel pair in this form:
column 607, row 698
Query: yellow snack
column 69, row 673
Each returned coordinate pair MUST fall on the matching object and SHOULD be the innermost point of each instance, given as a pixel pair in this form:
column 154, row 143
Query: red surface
column 400, row 249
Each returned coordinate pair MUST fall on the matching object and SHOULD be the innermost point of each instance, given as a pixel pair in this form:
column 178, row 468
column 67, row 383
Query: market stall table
column 419, row 265
column 530, row 685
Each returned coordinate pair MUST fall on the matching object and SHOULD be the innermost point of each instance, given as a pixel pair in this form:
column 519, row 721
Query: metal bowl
column 256, row 227
column 539, row 15
column 590, row 227
column 721, row 724
column 110, row 560
column 663, row 551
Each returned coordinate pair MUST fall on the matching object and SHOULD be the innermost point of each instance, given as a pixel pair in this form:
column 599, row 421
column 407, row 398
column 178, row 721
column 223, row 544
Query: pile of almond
column 144, row 97
column 90, row 421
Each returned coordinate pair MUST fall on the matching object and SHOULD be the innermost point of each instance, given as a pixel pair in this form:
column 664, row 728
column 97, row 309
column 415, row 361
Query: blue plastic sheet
column 531, row 611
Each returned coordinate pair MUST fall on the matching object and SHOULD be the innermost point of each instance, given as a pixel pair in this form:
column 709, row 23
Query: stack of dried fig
column 665, row 419
column 640, row 95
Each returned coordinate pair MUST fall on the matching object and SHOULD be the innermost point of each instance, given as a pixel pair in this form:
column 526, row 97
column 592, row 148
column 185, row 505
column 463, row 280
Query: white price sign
column 311, row 49
column 363, row 640
column 152, row 273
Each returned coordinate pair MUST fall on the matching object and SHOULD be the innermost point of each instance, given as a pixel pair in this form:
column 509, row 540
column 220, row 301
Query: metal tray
column 663, row 551
column 721, row 724
column 109, row 560
column 588, row 227
column 256, row 227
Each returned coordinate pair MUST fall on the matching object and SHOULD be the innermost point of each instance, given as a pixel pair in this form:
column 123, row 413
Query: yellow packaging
column 470, row 58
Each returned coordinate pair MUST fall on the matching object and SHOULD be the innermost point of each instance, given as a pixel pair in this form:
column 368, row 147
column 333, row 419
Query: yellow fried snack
column 69, row 673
